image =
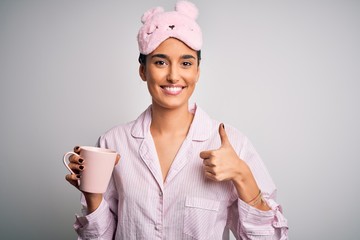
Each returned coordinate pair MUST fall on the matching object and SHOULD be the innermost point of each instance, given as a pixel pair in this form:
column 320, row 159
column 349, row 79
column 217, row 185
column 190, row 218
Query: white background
column 286, row 73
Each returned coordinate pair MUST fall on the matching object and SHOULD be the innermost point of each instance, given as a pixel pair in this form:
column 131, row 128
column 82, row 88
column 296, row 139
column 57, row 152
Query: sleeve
column 100, row 224
column 247, row 222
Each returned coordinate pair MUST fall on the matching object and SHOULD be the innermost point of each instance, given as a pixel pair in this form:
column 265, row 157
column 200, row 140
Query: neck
column 174, row 122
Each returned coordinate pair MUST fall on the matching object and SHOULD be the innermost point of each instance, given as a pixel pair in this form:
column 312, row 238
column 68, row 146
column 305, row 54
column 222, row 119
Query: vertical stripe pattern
column 140, row 205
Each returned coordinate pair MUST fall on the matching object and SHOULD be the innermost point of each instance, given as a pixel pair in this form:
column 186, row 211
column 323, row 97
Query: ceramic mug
column 98, row 166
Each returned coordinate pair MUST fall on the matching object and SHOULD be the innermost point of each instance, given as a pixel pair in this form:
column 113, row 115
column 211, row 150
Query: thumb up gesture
column 223, row 163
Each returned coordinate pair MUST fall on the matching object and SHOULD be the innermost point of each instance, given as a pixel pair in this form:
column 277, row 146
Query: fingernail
column 81, row 167
column 81, row 160
column 223, row 126
column 76, row 148
column 77, row 175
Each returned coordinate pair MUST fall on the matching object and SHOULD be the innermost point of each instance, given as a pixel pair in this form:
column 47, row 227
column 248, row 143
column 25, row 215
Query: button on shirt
column 138, row 204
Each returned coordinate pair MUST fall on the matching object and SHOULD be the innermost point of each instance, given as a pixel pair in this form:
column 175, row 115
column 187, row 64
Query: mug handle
column 65, row 159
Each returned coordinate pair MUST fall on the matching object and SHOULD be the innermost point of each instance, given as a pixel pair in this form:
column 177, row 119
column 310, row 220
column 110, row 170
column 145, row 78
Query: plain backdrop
column 285, row 73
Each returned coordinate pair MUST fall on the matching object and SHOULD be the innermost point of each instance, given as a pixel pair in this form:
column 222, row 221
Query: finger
column 77, row 149
column 209, row 169
column 208, row 162
column 215, row 176
column 210, row 176
column 223, row 135
column 73, row 179
column 76, row 159
column 117, row 159
column 76, row 168
column 206, row 154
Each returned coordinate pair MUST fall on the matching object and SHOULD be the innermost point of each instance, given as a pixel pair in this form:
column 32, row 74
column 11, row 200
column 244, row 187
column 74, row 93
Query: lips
column 172, row 90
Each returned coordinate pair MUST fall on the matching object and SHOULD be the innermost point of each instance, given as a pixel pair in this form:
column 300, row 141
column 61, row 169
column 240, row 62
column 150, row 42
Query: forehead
column 173, row 46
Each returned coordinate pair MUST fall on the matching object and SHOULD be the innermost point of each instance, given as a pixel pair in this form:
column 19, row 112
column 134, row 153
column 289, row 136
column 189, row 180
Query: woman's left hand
column 223, row 163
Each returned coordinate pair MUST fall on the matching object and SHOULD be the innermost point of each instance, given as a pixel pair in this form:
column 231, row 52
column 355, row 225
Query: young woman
column 182, row 175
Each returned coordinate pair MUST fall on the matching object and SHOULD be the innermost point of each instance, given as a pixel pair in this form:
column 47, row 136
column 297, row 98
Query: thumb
column 223, row 136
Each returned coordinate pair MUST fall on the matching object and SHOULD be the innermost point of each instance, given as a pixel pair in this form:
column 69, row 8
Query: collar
column 199, row 129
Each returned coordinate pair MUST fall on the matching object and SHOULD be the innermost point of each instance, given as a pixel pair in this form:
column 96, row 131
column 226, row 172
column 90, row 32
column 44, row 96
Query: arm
column 99, row 218
column 101, row 222
column 252, row 222
column 252, row 216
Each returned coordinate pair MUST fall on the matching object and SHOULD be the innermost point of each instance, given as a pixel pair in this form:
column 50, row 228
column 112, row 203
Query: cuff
column 261, row 223
column 253, row 215
column 94, row 224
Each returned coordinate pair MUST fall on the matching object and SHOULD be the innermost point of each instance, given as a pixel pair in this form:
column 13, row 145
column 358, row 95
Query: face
column 171, row 73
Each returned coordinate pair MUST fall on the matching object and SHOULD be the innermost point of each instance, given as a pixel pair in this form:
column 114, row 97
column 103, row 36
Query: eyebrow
column 159, row 56
column 186, row 56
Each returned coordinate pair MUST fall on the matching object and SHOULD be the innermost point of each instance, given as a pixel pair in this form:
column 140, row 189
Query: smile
column 172, row 90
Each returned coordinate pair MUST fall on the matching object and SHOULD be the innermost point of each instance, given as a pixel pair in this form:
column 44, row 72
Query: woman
column 181, row 175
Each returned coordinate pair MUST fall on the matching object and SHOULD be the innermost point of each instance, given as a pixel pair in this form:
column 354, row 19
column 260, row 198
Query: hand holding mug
column 90, row 168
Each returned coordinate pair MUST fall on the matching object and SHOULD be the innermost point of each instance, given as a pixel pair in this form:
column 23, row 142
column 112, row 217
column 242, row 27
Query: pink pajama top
column 138, row 204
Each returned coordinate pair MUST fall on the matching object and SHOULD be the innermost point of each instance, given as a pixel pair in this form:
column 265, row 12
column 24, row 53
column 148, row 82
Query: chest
column 172, row 170
column 166, row 149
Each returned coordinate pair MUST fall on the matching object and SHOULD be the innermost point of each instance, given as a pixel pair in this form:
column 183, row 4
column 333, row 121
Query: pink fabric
column 159, row 26
column 139, row 205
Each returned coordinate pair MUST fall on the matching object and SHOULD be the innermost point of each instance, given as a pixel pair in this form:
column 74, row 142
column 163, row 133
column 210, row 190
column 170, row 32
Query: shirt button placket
column 159, row 222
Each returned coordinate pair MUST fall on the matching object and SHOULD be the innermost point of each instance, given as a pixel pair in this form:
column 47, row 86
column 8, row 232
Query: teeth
column 173, row 89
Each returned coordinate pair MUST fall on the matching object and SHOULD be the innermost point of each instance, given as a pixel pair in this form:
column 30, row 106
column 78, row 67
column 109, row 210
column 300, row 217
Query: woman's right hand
column 93, row 200
column 76, row 165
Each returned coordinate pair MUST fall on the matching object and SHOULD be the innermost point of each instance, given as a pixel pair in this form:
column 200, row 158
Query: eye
column 187, row 64
column 160, row 63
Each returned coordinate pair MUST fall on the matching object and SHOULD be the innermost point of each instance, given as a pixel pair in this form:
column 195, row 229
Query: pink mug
column 98, row 166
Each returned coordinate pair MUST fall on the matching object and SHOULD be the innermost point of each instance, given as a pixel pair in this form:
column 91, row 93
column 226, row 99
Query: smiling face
column 171, row 72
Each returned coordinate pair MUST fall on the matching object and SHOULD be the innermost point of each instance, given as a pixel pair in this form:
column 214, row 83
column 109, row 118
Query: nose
column 173, row 74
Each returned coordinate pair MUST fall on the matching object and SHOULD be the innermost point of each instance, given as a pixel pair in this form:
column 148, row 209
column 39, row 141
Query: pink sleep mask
column 159, row 25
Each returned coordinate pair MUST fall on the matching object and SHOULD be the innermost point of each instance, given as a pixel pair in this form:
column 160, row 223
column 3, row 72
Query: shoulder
column 116, row 134
column 119, row 129
column 135, row 128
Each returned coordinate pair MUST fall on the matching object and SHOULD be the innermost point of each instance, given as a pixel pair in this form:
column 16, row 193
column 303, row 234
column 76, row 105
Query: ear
column 187, row 8
column 150, row 13
column 142, row 70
